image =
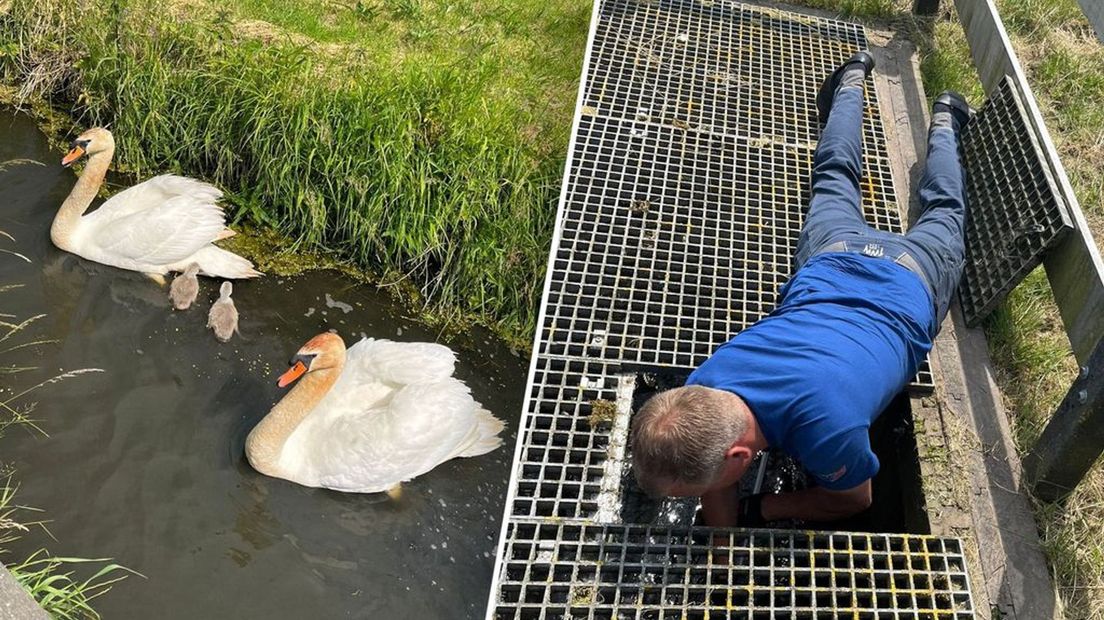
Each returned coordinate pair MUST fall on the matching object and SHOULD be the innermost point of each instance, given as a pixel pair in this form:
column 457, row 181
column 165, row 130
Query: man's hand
column 724, row 508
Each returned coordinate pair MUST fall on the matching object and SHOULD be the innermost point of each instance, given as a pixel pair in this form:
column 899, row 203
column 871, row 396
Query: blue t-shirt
column 847, row 335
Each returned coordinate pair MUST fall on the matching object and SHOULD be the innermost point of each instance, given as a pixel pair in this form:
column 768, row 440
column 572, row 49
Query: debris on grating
column 609, row 500
column 602, row 414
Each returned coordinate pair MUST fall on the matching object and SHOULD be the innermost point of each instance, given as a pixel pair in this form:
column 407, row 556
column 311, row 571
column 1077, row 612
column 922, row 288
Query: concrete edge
column 15, row 602
column 904, row 116
column 972, row 409
column 969, row 465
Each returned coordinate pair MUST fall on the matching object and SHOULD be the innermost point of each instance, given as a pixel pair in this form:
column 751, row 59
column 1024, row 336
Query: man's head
column 690, row 440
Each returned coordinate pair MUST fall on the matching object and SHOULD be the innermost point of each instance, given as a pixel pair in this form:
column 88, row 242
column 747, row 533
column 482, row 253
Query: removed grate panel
column 1015, row 210
column 554, row 570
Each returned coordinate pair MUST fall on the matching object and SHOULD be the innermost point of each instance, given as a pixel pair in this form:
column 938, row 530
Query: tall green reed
column 53, row 580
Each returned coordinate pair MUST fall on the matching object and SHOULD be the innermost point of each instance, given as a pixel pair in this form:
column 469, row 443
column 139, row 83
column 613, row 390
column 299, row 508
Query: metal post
column 927, row 8
column 1073, row 439
column 1094, row 10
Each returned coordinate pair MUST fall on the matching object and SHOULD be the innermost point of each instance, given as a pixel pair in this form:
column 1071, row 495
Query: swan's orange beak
column 297, row 370
column 72, row 156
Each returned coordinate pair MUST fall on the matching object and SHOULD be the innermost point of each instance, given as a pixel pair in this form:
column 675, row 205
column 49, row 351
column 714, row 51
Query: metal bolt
column 598, row 339
column 1083, row 396
column 1084, row 373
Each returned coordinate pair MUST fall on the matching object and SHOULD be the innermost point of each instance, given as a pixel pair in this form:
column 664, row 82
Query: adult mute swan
column 161, row 225
column 367, row 419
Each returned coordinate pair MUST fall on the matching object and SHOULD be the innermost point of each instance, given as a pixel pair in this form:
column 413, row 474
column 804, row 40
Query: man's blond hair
column 681, row 436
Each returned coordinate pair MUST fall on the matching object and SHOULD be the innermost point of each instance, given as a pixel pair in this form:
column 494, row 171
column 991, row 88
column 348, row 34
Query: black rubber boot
column 951, row 110
column 861, row 60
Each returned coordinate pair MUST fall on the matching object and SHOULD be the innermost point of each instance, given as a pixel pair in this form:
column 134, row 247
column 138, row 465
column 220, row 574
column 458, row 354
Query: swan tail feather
column 489, row 427
column 219, row 263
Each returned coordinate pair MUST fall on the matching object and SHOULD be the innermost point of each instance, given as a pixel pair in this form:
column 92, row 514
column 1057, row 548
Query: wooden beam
column 1075, row 268
column 1094, row 10
column 1073, row 439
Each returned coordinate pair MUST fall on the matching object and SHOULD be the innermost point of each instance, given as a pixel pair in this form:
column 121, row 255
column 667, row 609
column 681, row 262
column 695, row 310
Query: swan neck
column 267, row 440
column 78, row 201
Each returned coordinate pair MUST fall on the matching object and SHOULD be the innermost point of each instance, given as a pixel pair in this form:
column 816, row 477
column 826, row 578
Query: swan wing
column 403, row 362
column 161, row 235
column 152, row 192
column 433, row 423
column 397, row 438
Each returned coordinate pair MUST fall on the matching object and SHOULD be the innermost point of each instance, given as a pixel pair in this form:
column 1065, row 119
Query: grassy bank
column 421, row 140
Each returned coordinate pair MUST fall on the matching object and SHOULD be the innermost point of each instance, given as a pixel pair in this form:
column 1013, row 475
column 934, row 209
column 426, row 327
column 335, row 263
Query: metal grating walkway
column 689, row 178
column 601, row 572
column 685, row 190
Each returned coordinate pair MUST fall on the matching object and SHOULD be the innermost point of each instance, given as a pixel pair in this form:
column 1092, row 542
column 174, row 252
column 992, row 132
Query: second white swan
column 156, row 227
column 367, row 419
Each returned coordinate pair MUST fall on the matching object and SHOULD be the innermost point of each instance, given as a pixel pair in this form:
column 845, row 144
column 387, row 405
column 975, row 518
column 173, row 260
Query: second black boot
column 951, row 110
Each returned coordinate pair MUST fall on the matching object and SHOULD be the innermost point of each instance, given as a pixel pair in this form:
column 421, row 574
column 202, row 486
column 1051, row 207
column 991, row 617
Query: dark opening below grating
column 553, row 570
column 1015, row 211
column 573, row 443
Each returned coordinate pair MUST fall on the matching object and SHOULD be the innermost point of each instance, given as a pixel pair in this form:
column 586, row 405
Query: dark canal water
column 144, row 462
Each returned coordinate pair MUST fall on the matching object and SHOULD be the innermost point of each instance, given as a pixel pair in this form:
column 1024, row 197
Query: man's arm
column 846, row 464
column 721, row 507
column 816, row 504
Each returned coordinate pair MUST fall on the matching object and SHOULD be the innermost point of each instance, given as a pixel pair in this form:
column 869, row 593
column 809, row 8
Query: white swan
column 367, row 419
column 161, row 225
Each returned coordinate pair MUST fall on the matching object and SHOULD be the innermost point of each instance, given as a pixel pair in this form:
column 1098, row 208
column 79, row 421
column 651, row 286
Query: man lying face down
column 850, row 329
